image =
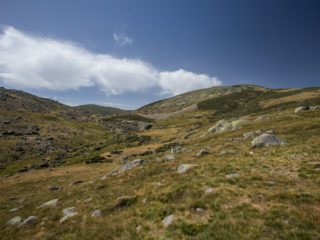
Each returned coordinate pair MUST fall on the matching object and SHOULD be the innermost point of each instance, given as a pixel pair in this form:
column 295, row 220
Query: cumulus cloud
column 35, row 62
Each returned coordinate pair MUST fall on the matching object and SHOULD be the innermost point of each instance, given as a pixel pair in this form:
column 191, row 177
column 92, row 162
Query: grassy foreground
column 275, row 196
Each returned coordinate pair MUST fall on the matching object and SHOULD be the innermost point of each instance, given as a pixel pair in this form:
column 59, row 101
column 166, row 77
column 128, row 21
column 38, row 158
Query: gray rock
column 313, row 108
column 68, row 210
column 96, row 213
column 262, row 118
column 131, row 165
column 69, row 215
column 233, row 175
column 87, row 200
column 14, row 209
column 185, row 167
column 168, row 220
column 77, row 182
column 226, row 125
column 209, row 190
column 168, row 157
column 303, row 108
column 53, row 188
column 271, row 131
column 28, row 220
column 223, row 152
column 52, row 202
column 314, row 163
column 15, row 221
column 202, row 152
column 266, row 140
column 249, row 135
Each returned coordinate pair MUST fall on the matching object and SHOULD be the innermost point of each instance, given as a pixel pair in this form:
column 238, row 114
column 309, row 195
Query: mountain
column 241, row 164
column 101, row 110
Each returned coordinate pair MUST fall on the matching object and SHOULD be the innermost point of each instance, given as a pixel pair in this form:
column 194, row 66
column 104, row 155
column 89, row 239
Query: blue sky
column 130, row 53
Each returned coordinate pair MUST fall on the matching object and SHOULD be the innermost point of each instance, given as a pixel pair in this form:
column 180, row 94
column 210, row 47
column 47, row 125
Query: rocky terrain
column 243, row 164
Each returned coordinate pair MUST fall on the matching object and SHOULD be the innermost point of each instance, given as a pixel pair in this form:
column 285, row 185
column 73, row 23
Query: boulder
column 226, row 125
column 266, row 140
column 168, row 220
column 185, row 167
column 131, row 165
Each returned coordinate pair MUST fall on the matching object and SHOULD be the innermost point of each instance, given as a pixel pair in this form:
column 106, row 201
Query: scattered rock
column 168, row 157
column 53, row 188
column 302, row 108
column 226, row 125
column 249, row 135
column 233, row 175
column 14, row 209
column 144, row 201
column 77, row 182
column 96, row 213
column 87, row 200
column 131, row 165
column 185, row 167
column 266, row 140
column 28, row 220
column 15, row 221
column 52, row 202
column 69, row 215
column 68, row 210
column 314, row 163
column 262, row 118
column 124, row 201
column 168, row 220
column 202, row 152
column 209, row 190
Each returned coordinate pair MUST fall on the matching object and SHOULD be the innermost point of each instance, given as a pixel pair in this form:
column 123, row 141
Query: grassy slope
column 101, row 110
column 275, row 197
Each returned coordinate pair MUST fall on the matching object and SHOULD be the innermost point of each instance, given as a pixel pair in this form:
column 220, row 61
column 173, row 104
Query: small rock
column 249, row 135
column 223, row 152
column 303, row 108
column 28, row 220
column 233, row 175
column 68, row 210
column 52, row 202
column 184, row 167
column 314, row 163
column 251, row 153
column 53, row 188
column 96, row 213
column 87, row 200
column 199, row 209
column 262, row 118
column 209, row 190
column 159, row 184
column 14, row 209
column 77, row 182
column 168, row 157
column 270, row 131
column 131, row 165
column 202, row 152
column 144, row 201
column 138, row 228
column 22, row 200
column 13, row 198
column 168, row 220
column 69, row 215
column 15, row 220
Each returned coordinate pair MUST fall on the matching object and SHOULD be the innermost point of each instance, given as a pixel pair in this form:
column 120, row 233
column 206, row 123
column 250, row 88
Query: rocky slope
column 208, row 173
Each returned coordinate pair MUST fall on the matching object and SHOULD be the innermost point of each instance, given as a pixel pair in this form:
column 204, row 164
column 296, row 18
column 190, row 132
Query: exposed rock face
column 168, row 220
column 266, row 140
column 185, row 167
column 131, row 165
column 226, row 125
column 52, row 202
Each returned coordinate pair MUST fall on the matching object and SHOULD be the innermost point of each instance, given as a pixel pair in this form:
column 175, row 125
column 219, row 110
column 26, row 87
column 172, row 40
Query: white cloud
column 34, row 62
column 122, row 40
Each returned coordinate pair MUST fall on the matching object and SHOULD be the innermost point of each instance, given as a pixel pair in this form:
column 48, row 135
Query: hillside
column 242, row 165
column 101, row 110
